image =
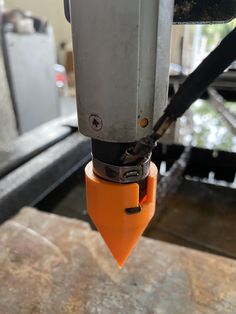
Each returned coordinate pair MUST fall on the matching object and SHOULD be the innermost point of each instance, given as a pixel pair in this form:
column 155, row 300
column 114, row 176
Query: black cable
column 205, row 74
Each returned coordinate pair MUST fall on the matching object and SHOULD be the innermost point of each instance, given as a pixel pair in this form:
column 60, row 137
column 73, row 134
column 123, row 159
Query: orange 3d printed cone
column 117, row 213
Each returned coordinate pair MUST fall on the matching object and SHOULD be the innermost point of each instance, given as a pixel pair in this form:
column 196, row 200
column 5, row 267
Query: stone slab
column 51, row 264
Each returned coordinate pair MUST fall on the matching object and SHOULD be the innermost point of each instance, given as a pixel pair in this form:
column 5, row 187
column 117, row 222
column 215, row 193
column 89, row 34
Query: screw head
column 95, row 122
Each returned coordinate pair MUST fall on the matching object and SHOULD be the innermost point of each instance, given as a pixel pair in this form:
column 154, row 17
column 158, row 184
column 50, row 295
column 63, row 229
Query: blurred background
column 36, row 56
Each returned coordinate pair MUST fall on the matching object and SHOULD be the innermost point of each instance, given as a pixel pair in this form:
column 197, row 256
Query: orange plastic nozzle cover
column 107, row 203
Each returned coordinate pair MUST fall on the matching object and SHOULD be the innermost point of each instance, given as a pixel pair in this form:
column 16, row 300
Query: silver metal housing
column 121, row 57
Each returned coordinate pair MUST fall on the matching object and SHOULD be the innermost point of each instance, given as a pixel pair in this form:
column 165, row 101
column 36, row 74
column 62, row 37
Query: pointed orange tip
column 107, row 203
column 121, row 242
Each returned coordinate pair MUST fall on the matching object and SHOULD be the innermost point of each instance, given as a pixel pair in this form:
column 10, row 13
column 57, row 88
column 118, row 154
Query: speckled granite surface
column 7, row 118
column 51, row 264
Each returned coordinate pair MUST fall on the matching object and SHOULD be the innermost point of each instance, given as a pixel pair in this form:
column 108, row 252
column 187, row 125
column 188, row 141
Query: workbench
column 52, row 264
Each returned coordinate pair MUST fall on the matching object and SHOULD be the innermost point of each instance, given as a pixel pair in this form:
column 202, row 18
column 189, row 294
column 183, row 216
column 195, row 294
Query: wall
column 52, row 10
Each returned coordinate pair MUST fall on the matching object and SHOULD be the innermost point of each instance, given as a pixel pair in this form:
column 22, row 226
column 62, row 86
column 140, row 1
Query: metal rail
column 34, row 180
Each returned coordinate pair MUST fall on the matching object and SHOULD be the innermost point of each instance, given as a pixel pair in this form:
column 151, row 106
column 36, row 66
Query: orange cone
column 117, row 213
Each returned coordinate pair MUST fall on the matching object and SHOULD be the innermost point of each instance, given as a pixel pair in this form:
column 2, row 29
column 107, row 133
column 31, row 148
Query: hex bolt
column 95, row 122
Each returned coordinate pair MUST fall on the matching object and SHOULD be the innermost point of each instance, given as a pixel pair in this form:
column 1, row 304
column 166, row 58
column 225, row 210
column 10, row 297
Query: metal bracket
column 204, row 11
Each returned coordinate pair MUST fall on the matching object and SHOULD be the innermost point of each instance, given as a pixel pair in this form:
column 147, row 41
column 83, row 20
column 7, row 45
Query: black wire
column 205, row 74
